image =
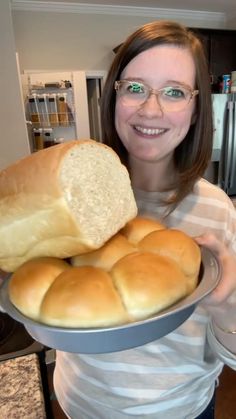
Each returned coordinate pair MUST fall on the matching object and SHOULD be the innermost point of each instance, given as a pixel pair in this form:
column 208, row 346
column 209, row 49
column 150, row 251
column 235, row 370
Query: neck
column 152, row 176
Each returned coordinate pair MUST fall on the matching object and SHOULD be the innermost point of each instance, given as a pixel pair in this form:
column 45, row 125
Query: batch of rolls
column 138, row 269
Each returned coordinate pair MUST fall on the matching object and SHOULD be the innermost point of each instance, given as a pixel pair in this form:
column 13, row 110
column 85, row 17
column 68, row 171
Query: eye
column 175, row 92
column 135, row 87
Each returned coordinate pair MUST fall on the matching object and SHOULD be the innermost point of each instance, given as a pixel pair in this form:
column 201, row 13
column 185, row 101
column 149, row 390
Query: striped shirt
column 175, row 376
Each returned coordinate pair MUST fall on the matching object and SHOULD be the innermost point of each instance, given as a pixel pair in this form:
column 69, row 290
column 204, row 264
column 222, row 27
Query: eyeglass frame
column 151, row 91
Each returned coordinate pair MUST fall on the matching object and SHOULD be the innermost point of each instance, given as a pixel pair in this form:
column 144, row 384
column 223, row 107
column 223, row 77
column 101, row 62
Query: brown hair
column 192, row 156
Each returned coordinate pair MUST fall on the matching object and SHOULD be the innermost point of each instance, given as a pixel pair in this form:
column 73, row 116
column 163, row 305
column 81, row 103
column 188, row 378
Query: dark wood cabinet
column 220, row 46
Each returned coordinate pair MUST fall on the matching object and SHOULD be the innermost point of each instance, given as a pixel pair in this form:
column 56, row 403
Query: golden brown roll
column 178, row 246
column 83, row 297
column 139, row 227
column 105, row 257
column 120, row 282
column 30, row 282
column 148, row 283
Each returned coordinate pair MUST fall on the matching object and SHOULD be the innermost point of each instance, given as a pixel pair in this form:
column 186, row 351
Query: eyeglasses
column 170, row 98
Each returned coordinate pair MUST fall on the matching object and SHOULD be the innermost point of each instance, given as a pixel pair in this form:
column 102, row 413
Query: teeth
column 150, row 131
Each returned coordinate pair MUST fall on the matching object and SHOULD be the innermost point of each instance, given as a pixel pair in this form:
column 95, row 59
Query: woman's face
column 148, row 132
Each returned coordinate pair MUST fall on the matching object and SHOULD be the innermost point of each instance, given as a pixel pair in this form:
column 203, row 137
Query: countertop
column 21, row 394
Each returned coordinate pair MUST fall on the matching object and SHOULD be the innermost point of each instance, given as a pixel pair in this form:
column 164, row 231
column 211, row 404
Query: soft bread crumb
column 101, row 199
column 61, row 201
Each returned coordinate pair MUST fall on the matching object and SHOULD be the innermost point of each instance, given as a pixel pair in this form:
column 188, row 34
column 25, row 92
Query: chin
column 148, row 156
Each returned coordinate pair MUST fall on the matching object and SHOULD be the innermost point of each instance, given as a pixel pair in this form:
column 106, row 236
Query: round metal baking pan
column 119, row 338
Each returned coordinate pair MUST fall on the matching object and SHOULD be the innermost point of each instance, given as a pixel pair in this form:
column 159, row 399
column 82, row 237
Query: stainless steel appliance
column 222, row 170
column 227, row 167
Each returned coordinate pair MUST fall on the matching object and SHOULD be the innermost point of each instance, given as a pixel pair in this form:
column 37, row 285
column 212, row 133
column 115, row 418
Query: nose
column 151, row 107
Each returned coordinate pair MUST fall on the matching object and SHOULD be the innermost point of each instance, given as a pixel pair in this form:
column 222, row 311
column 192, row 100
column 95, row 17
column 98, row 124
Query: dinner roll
column 139, row 227
column 31, row 281
column 148, row 283
column 178, row 246
column 119, row 283
column 83, row 297
column 105, row 257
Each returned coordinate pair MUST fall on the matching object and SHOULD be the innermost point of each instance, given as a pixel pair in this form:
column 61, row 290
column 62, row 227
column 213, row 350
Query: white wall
column 47, row 40
column 80, row 41
column 65, row 41
column 13, row 135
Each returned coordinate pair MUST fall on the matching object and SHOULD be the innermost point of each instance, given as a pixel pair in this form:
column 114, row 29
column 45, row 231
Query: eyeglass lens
column 172, row 98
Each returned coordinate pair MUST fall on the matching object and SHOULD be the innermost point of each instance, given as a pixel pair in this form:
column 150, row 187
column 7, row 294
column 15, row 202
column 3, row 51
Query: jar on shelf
column 52, row 109
column 62, row 109
column 48, row 138
column 33, row 110
column 43, row 110
column 38, row 140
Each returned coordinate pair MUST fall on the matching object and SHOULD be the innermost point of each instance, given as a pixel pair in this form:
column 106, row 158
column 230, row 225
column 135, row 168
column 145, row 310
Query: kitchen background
column 64, row 36
column 46, row 42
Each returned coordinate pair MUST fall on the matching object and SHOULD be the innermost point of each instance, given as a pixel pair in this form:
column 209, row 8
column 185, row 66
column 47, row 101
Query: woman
column 156, row 114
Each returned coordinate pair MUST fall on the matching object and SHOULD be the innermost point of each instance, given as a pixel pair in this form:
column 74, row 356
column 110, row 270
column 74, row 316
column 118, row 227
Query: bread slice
column 62, row 201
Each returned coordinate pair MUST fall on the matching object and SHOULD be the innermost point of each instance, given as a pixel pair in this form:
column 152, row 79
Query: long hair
column 193, row 154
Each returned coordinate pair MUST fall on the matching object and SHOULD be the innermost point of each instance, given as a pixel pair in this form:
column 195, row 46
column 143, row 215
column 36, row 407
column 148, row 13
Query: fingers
column 227, row 283
column 220, row 294
column 212, row 243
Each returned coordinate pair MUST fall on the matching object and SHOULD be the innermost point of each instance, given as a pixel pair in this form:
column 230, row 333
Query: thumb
column 212, row 243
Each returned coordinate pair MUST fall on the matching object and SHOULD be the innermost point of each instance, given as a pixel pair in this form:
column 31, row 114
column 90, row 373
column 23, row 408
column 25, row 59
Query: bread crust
column 137, row 228
column 37, row 215
column 148, row 283
column 116, row 284
column 83, row 297
column 105, row 257
column 22, row 176
column 30, row 283
column 178, row 246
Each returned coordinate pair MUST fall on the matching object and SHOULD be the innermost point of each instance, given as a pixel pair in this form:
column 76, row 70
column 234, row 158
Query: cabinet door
column 204, row 37
column 223, row 52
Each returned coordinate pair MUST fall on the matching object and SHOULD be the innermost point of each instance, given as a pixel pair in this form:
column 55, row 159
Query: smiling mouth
column 149, row 131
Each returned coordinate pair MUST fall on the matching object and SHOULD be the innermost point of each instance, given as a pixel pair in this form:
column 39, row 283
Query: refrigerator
column 62, row 106
column 222, row 169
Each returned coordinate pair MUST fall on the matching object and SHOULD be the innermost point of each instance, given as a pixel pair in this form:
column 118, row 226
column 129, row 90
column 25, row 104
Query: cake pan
column 119, row 338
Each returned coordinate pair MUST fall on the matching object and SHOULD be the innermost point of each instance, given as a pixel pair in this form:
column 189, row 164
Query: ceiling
column 223, row 6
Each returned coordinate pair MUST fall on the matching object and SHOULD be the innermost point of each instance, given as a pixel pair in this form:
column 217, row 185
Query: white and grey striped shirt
column 173, row 377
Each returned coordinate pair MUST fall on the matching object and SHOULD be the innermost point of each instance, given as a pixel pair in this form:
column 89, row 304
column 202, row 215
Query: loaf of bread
column 119, row 283
column 62, row 201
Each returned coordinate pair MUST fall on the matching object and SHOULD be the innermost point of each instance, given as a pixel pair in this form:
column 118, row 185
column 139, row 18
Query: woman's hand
column 227, row 285
column 221, row 302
